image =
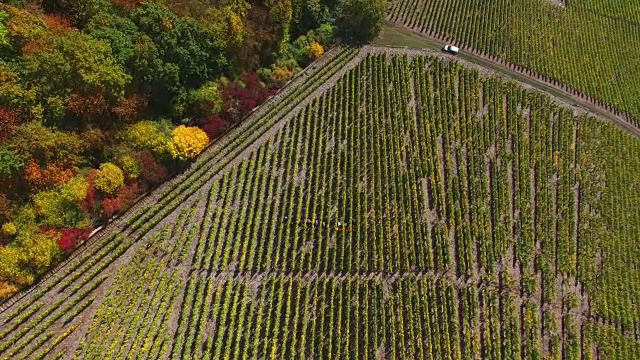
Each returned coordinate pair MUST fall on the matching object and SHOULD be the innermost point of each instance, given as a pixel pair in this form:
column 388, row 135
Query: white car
column 451, row 49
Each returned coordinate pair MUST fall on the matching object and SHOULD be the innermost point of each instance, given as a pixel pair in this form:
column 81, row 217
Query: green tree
column 73, row 63
column 13, row 93
column 360, row 20
column 181, row 41
column 4, row 34
column 80, row 11
column 280, row 12
column 35, row 141
column 59, row 208
column 225, row 21
column 147, row 135
column 310, row 14
column 206, row 100
column 120, row 32
column 174, row 55
column 10, row 163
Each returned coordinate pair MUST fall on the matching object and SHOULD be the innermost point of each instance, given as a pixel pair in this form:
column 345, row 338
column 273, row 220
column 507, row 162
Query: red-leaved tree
column 151, row 171
column 126, row 195
column 240, row 98
column 8, row 122
column 213, row 126
column 88, row 204
column 69, row 238
column 128, row 108
column 110, row 206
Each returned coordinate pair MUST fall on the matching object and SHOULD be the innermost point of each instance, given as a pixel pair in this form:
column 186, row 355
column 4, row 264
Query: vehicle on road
column 451, row 49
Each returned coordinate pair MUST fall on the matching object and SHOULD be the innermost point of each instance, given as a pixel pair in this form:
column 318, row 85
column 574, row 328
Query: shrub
column 88, row 203
column 240, row 98
column 126, row 195
column 280, row 72
column 324, row 34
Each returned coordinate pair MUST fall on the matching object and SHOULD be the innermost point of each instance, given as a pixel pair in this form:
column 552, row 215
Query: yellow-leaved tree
column 12, row 270
column 58, row 207
column 30, row 254
column 74, row 190
column 147, row 135
column 42, row 250
column 9, row 228
column 7, row 289
column 109, row 178
column 129, row 166
column 315, row 50
column 187, row 142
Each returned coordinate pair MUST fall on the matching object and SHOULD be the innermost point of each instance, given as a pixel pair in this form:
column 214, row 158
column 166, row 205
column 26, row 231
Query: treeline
column 101, row 100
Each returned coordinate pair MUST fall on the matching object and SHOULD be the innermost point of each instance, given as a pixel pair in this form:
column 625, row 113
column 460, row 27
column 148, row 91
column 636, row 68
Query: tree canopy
column 360, row 20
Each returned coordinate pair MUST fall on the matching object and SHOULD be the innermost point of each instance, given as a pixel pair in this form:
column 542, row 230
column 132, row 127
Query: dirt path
column 493, row 66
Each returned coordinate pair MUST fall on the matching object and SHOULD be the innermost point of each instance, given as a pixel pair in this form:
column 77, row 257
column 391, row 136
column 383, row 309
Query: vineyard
column 389, row 204
column 586, row 45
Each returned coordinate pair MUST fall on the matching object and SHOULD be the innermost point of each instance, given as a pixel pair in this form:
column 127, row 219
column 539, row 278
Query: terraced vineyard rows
column 42, row 304
column 409, row 208
column 585, row 45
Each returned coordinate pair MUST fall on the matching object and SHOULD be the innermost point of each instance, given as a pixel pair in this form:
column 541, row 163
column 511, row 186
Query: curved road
column 394, row 35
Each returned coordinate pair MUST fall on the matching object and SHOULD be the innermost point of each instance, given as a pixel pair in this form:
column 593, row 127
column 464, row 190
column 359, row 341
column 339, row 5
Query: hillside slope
column 458, row 216
column 588, row 45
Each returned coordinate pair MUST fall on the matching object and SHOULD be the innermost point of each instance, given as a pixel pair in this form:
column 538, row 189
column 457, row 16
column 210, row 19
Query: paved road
column 423, row 41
